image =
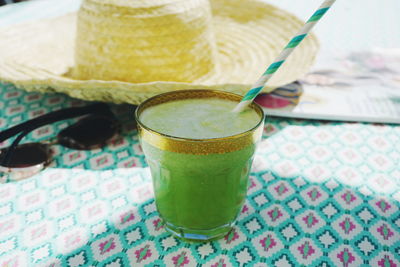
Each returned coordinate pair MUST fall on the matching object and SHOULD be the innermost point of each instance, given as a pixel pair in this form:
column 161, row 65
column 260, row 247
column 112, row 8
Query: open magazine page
column 362, row 86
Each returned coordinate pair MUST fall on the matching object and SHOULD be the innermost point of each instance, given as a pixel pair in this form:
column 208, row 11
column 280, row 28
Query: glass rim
column 253, row 105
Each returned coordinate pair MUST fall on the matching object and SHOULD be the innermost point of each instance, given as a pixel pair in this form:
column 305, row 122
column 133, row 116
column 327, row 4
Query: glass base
column 198, row 235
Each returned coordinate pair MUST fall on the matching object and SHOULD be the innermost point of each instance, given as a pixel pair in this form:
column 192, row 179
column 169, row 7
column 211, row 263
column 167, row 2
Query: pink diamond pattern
column 314, row 183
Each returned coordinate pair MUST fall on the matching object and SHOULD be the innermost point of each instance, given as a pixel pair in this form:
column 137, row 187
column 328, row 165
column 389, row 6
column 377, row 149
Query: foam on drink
column 199, row 118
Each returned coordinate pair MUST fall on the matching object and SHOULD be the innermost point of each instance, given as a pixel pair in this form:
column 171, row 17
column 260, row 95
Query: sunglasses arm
column 63, row 114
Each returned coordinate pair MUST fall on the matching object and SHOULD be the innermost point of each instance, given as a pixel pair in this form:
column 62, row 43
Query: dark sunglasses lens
column 26, row 155
column 89, row 133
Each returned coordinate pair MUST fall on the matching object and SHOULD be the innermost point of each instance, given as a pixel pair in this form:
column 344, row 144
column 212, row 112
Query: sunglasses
column 95, row 129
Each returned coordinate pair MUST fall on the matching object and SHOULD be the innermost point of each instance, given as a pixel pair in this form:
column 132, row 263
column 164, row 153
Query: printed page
column 366, row 89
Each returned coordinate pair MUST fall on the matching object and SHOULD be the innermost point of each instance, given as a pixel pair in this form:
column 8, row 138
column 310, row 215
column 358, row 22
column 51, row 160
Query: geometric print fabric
column 320, row 194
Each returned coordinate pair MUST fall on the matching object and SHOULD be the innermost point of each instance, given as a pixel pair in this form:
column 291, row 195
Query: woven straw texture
column 128, row 51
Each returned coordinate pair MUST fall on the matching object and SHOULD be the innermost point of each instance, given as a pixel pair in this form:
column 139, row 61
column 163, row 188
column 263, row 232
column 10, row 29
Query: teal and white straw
column 259, row 85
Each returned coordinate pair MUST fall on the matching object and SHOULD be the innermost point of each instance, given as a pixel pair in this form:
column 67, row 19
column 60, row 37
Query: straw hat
column 128, row 51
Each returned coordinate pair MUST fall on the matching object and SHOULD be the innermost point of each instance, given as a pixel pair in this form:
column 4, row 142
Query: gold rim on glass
column 198, row 146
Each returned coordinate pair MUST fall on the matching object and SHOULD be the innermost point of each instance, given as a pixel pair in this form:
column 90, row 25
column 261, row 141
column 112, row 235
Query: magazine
column 360, row 87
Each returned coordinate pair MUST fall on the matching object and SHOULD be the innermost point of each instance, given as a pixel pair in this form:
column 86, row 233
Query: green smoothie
column 199, row 195
column 199, row 118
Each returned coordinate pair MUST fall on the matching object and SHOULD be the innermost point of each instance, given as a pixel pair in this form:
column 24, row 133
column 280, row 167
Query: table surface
column 320, row 194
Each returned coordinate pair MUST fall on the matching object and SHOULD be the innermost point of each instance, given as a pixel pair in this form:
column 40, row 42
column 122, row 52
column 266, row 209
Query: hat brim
column 39, row 56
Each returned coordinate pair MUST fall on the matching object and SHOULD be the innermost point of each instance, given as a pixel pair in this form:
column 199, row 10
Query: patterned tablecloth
column 320, row 194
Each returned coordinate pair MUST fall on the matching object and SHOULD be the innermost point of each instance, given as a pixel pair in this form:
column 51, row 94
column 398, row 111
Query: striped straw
column 259, row 85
